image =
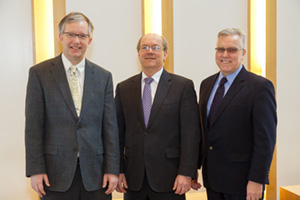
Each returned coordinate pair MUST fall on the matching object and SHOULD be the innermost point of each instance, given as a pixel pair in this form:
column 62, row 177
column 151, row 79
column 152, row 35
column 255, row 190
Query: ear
column 244, row 52
column 165, row 54
column 90, row 40
column 60, row 37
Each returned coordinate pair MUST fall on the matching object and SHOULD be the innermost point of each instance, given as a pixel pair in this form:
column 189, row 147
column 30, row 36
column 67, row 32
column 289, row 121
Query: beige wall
column 196, row 25
column 16, row 54
column 118, row 27
column 288, row 93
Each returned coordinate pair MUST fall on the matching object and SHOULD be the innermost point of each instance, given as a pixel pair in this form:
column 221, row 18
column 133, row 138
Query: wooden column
column 167, row 32
column 59, row 11
column 271, row 70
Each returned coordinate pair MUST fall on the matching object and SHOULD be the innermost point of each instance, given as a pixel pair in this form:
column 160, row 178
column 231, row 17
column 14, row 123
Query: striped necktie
column 147, row 100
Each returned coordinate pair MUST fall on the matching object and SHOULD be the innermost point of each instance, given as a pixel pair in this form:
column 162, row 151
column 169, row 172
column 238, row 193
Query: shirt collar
column 68, row 64
column 230, row 77
column 155, row 77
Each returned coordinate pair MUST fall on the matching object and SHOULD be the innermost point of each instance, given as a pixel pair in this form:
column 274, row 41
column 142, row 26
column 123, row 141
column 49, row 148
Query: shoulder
column 133, row 79
column 209, row 79
column 45, row 65
column 178, row 79
column 258, row 81
column 98, row 68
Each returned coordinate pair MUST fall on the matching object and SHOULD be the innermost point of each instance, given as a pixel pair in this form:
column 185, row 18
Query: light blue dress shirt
column 230, row 79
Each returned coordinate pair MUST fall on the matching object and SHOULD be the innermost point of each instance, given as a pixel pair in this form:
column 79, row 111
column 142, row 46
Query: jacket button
column 211, row 148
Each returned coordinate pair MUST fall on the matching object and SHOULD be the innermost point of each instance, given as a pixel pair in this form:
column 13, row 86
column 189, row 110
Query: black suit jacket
column 169, row 145
column 54, row 134
column 239, row 144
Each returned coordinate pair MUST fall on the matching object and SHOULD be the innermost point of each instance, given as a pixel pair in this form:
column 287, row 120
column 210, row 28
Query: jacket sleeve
column 121, row 126
column 34, row 126
column 264, row 133
column 110, row 132
column 189, row 131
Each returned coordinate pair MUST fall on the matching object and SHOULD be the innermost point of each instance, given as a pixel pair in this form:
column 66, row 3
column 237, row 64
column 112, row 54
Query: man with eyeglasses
column 71, row 136
column 238, row 118
column 159, row 128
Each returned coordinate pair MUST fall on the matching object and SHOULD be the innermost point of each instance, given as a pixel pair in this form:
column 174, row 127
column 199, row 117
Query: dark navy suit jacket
column 238, row 146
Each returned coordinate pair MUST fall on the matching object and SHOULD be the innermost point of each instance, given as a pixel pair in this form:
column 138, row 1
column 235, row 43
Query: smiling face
column 229, row 62
column 75, row 48
column 151, row 54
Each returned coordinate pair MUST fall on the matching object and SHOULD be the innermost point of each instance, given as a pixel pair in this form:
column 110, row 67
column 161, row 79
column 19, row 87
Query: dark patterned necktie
column 217, row 100
column 147, row 100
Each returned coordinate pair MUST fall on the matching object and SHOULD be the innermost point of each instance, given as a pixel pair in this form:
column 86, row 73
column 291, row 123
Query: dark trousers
column 77, row 191
column 146, row 193
column 212, row 195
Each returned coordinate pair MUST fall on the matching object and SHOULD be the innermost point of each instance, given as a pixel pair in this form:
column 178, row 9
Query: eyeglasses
column 74, row 35
column 229, row 50
column 154, row 48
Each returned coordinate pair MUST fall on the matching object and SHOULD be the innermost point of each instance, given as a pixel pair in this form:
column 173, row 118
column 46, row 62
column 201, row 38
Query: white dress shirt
column 153, row 84
column 79, row 73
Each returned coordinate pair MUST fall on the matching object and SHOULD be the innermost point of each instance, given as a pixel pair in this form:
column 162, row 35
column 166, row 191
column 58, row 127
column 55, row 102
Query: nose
column 150, row 50
column 76, row 39
column 225, row 54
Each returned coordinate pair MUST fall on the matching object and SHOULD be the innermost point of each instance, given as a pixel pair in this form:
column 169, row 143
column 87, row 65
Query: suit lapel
column 161, row 93
column 206, row 93
column 237, row 84
column 60, row 77
column 88, row 86
column 137, row 98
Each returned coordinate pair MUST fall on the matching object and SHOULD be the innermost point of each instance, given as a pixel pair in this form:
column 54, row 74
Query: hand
column 182, row 184
column 196, row 185
column 112, row 180
column 37, row 183
column 122, row 186
column 254, row 190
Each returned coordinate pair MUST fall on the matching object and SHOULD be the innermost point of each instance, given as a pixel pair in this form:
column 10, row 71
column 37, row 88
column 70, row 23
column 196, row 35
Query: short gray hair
column 75, row 17
column 234, row 31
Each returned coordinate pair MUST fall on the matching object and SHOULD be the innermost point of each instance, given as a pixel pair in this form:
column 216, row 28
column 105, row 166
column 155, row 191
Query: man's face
column 229, row 61
column 74, row 47
column 151, row 53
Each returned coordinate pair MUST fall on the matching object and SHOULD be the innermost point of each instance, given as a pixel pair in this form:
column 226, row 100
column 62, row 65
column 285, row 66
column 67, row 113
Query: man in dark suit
column 158, row 142
column 238, row 115
column 71, row 136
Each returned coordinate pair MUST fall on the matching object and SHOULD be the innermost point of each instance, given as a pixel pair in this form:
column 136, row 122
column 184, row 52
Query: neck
column 74, row 60
column 150, row 71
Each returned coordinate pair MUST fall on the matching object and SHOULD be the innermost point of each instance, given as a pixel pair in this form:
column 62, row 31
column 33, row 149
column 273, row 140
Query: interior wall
column 196, row 25
column 118, row 26
column 288, row 93
column 16, row 57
